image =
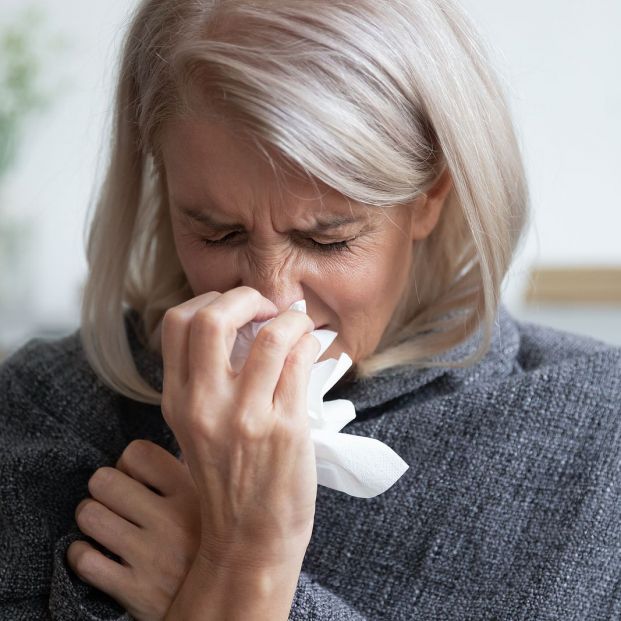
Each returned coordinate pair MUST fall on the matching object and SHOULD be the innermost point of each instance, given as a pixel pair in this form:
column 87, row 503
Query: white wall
column 561, row 60
column 53, row 180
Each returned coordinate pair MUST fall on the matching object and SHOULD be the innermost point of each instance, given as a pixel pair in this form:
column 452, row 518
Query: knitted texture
column 510, row 509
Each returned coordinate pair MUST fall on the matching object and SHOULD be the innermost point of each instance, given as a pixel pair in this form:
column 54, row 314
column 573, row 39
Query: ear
column 428, row 207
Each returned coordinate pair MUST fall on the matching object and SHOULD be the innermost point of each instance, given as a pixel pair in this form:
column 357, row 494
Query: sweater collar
column 395, row 382
column 367, row 393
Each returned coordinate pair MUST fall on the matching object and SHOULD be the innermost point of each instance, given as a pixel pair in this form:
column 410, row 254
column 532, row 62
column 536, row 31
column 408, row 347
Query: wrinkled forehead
column 210, row 163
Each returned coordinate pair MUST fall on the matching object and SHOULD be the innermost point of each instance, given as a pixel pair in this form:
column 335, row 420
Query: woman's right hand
column 245, row 437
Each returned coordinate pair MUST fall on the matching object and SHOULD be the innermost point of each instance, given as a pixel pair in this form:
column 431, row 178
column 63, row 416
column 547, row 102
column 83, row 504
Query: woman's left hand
column 156, row 536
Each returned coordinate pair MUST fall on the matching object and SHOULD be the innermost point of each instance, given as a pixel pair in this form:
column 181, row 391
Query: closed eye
column 331, row 247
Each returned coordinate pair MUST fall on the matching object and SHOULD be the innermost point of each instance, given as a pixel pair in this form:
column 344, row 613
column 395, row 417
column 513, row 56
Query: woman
column 361, row 157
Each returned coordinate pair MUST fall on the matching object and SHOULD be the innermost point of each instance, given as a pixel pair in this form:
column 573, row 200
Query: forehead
column 208, row 163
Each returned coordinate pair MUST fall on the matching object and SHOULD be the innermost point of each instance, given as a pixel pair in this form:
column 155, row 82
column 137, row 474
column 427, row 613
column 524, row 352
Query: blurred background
column 560, row 62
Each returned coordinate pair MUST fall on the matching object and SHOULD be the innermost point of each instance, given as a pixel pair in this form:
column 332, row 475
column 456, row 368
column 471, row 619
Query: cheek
column 353, row 287
column 361, row 303
column 366, row 301
column 350, row 291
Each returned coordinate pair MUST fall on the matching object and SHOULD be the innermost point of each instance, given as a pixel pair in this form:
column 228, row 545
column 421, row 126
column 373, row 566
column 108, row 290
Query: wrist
column 269, row 554
column 232, row 592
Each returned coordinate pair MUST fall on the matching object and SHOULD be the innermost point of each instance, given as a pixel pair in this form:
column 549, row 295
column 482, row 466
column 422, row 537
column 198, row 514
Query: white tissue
column 358, row 466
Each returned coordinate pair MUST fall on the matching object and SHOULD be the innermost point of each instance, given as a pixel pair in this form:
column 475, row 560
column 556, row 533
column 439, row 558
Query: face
column 235, row 223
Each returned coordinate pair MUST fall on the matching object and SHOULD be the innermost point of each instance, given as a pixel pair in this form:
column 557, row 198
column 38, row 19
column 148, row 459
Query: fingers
column 198, row 335
column 126, row 497
column 97, row 569
column 176, row 333
column 274, row 342
column 107, row 528
column 214, row 329
column 290, row 395
column 152, row 465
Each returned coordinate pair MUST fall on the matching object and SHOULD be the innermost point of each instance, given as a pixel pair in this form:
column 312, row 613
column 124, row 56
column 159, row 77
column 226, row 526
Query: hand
column 245, row 436
column 156, row 532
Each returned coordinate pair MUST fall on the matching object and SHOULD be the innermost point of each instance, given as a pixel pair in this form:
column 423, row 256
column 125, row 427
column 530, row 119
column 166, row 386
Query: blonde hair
column 375, row 99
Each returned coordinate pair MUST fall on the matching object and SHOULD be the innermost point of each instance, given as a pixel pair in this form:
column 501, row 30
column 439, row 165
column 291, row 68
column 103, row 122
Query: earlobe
column 428, row 207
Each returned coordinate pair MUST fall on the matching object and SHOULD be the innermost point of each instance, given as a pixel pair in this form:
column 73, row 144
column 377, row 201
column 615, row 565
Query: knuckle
column 272, row 337
column 196, row 422
column 252, row 291
column 135, row 449
column 133, row 452
column 296, row 358
column 87, row 512
column 210, row 319
column 79, row 508
column 100, row 477
column 249, row 428
column 204, row 430
column 83, row 562
column 173, row 318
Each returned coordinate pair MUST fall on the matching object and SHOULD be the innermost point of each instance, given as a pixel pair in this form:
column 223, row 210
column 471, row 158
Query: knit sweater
column 510, row 509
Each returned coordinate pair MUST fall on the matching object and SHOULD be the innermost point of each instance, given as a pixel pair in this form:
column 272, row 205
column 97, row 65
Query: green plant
column 24, row 54
column 22, row 92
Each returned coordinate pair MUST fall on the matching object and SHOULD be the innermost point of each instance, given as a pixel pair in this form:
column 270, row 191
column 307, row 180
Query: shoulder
column 564, row 390
column 542, row 345
column 49, row 386
column 41, row 356
column 573, row 360
column 58, row 372
column 50, row 393
column 46, row 367
column 532, row 367
column 52, row 381
column 540, row 358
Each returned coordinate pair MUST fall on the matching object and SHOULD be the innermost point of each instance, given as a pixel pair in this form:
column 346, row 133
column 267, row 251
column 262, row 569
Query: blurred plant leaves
column 28, row 60
column 25, row 53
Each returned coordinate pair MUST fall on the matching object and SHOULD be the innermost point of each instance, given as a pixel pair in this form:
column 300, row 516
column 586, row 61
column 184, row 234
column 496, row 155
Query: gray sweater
column 511, row 507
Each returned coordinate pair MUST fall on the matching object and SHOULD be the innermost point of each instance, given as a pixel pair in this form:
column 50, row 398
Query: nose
column 280, row 288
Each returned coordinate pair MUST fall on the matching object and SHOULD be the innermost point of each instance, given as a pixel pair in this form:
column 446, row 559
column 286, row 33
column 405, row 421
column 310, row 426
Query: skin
column 205, row 161
column 247, row 518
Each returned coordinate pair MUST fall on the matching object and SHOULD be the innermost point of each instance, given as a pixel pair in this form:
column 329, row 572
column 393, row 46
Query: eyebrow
column 322, row 225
